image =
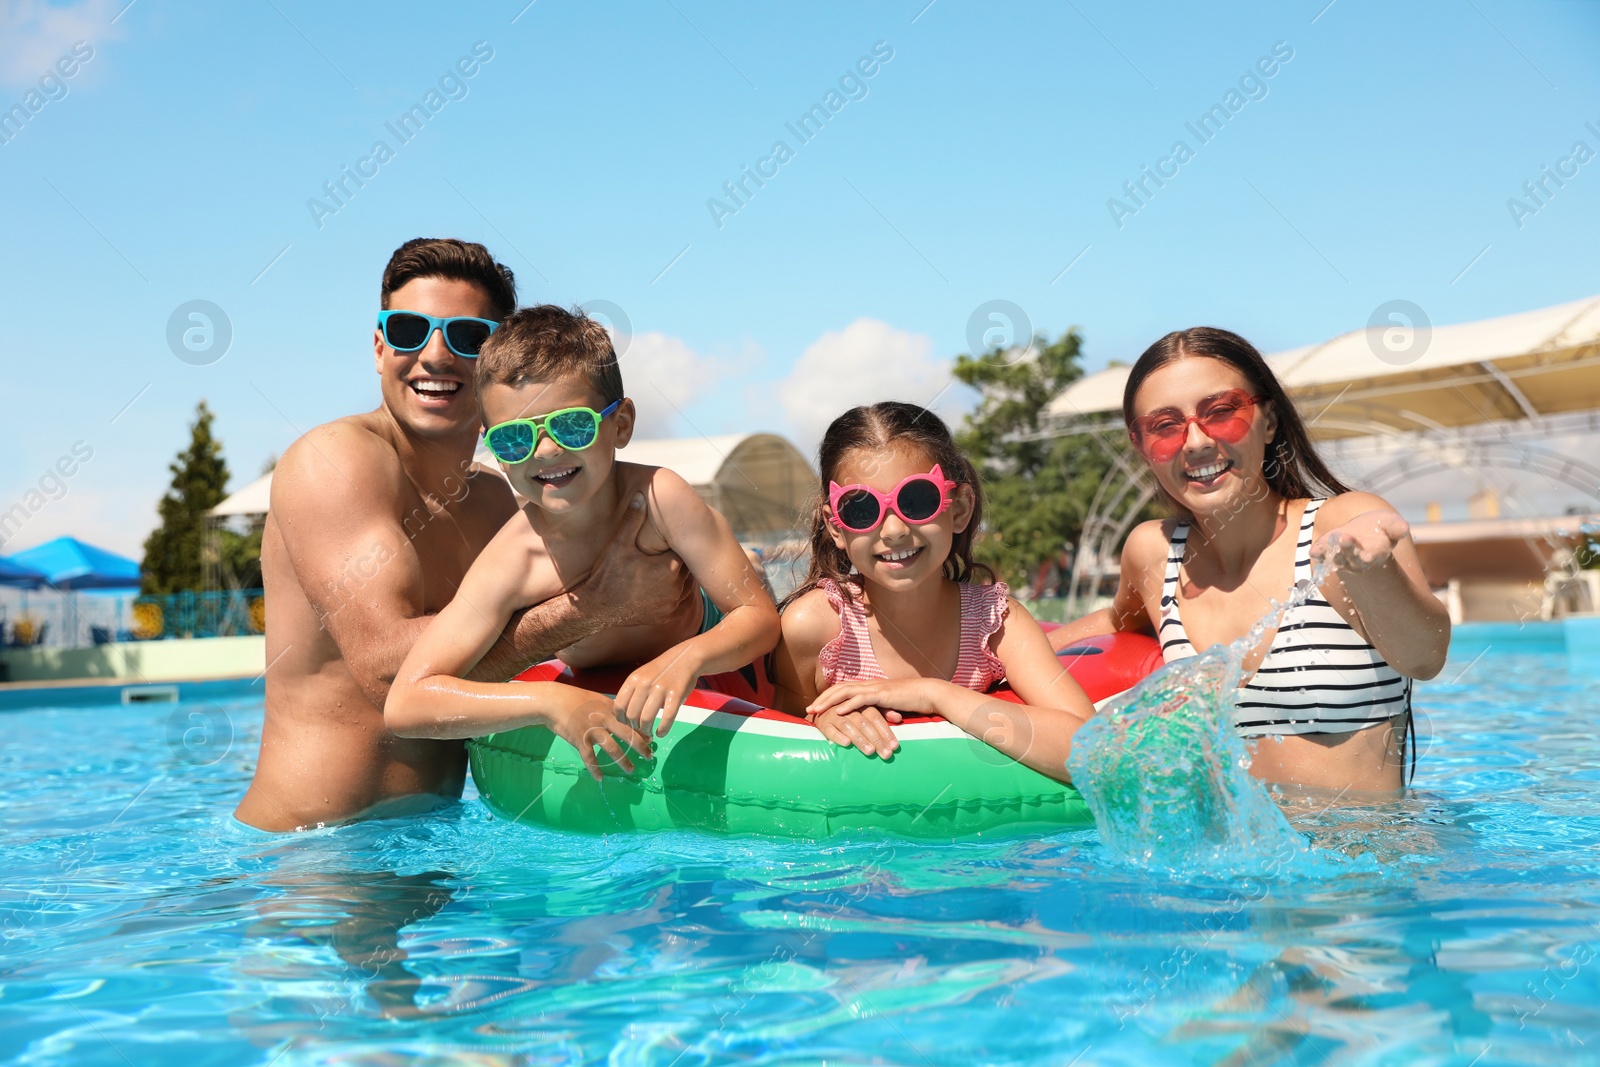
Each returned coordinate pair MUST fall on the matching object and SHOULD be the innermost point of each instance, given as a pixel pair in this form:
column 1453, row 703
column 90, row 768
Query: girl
column 1257, row 508
column 890, row 620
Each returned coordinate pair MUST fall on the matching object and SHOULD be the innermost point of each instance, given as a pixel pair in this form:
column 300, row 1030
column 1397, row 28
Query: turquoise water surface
column 1458, row 925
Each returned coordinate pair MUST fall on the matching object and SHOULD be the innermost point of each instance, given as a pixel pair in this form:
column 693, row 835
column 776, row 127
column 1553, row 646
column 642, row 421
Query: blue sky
column 975, row 163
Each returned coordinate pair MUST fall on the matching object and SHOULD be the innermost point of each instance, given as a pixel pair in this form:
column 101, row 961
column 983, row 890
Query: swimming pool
column 1459, row 925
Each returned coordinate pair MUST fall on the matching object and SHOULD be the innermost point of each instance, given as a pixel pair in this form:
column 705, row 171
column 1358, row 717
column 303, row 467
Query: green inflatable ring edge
column 738, row 774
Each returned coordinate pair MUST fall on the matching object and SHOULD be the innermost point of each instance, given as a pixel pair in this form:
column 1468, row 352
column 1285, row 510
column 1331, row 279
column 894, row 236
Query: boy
column 551, row 395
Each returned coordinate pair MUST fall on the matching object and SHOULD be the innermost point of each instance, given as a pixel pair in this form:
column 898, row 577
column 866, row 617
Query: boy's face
column 552, row 477
column 430, row 391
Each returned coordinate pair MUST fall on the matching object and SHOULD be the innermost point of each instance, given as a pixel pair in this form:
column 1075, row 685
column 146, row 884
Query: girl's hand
column 589, row 720
column 866, row 729
column 914, row 696
column 658, row 688
column 1365, row 542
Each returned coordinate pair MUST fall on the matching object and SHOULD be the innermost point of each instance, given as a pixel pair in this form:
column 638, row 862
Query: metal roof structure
column 1399, row 378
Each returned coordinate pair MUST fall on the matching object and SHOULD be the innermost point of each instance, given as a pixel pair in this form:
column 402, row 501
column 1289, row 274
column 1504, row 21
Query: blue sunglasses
column 408, row 331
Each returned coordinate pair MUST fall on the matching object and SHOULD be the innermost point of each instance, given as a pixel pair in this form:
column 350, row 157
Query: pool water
column 1460, row 924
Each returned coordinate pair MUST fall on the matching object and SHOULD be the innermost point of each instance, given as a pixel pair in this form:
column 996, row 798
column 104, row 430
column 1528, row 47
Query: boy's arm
column 625, row 588
column 335, row 502
column 430, row 697
column 749, row 627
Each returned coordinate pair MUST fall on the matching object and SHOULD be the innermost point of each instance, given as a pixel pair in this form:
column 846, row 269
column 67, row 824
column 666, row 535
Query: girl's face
column 1204, row 473
column 896, row 554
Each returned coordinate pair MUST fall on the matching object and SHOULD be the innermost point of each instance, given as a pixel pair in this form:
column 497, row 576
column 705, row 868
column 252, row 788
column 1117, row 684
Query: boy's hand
column 628, row 588
column 866, row 729
column 658, row 688
column 588, row 721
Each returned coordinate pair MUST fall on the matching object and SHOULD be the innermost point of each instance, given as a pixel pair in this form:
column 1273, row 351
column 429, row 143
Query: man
column 374, row 520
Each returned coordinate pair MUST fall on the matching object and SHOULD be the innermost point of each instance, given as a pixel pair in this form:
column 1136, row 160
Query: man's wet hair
column 462, row 261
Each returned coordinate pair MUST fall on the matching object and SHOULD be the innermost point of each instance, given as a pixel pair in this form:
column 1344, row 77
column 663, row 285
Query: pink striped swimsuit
column 849, row 657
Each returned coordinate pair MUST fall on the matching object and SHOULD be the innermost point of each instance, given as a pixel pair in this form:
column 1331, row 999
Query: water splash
column 1167, row 775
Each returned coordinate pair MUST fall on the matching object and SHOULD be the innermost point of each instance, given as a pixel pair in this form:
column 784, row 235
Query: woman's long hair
column 874, row 429
column 1292, row 467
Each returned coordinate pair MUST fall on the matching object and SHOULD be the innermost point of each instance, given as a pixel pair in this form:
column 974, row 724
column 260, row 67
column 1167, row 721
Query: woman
column 1256, row 510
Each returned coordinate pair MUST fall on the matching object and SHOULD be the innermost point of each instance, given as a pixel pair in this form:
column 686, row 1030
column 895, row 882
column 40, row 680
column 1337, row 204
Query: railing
column 227, row 613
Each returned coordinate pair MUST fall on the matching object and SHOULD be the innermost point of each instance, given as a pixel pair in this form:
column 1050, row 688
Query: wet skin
column 374, row 521
column 1240, row 556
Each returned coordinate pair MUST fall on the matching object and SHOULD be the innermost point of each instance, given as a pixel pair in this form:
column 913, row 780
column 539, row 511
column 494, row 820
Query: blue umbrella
column 16, row 575
column 68, row 563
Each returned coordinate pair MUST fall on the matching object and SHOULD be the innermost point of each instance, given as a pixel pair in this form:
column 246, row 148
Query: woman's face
column 896, row 554
column 1203, row 473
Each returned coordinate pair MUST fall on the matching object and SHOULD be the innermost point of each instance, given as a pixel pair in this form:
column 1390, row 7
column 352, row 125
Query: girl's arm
column 1379, row 575
column 809, row 623
column 1037, row 732
column 749, row 627
column 1146, row 548
column 429, row 697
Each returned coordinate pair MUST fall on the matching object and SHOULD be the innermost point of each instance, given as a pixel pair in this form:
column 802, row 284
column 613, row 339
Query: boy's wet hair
column 876, row 428
column 462, row 261
column 547, row 342
column 1292, row 466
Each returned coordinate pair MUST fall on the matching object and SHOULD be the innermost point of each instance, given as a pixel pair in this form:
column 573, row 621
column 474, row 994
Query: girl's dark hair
column 874, row 428
column 1292, row 467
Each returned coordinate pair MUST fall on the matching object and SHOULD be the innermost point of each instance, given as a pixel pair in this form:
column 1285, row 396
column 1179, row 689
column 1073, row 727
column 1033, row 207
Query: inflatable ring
column 731, row 766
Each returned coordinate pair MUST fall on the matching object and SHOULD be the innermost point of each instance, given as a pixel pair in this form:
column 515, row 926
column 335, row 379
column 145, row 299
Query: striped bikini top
column 1319, row 676
column 849, row 657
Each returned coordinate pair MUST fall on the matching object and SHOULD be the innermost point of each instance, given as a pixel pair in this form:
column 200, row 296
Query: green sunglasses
column 574, row 429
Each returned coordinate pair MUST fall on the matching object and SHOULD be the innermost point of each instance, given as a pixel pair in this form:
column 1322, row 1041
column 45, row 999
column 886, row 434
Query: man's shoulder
column 344, row 459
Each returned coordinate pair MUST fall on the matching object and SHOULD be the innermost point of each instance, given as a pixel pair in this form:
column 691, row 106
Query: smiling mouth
column 902, row 558
column 434, row 388
column 1208, row 474
column 557, row 477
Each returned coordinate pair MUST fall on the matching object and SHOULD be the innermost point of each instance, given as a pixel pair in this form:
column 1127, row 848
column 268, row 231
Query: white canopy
column 1516, row 366
column 251, row 500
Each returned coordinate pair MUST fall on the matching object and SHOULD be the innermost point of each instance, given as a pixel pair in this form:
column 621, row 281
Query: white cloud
column 864, row 363
column 36, row 34
column 664, row 376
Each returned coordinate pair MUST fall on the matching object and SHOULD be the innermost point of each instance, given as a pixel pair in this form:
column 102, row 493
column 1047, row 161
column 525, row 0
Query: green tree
column 240, row 552
column 173, row 552
column 1037, row 488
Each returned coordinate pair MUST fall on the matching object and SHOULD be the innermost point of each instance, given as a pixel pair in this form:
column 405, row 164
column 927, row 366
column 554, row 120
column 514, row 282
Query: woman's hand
column 866, row 729
column 1365, row 542
column 914, row 696
column 658, row 688
column 589, row 719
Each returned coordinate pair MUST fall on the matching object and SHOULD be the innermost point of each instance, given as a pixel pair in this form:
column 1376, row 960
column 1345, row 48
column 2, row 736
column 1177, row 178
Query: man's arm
column 336, row 501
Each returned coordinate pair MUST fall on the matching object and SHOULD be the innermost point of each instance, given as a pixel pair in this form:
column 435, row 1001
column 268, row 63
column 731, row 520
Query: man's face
column 430, row 391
